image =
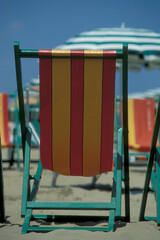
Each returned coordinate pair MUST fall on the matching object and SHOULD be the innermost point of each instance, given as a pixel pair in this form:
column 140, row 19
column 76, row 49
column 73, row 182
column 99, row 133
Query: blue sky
column 41, row 24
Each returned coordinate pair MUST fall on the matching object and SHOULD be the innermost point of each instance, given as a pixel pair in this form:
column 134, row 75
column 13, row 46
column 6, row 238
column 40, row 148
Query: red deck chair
column 4, row 120
column 141, row 116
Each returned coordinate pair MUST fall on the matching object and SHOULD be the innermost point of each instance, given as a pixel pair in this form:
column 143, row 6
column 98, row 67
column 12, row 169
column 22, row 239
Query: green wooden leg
column 112, row 212
column 117, row 184
column 35, row 186
column 119, row 172
column 125, row 132
column 158, row 185
column 111, row 220
column 38, row 174
column 153, row 179
column 26, row 221
column 2, row 208
column 16, row 142
column 25, row 189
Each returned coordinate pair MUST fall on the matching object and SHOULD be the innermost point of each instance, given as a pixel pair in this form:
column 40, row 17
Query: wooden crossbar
column 71, row 205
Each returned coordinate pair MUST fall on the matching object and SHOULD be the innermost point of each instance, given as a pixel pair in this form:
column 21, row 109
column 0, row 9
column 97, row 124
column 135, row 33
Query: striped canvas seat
column 141, row 116
column 4, row 119
column 77, row 112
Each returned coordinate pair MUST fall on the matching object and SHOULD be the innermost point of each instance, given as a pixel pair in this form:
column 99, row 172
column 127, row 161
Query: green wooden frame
column 2, row 207
column 154, row 157
column 29, row 195
column 16, row 121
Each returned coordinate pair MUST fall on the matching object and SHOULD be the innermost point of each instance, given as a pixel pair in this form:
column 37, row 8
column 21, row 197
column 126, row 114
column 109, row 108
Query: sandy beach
column 77, row 189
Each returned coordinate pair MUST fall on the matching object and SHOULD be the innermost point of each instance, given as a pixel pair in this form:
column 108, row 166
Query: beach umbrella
column 143, row 45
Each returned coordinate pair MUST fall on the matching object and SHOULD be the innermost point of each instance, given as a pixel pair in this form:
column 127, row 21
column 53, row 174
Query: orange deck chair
column 141, row 116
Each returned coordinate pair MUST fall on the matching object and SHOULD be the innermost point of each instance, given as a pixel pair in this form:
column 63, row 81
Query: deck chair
column 152, row 174
column 2, row 208
column 76, row 130
column 4, row 129
column 141, row 116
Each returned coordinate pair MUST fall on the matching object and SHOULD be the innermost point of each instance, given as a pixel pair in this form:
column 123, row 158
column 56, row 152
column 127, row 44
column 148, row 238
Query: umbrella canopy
column 143, row 45
column 151, row 93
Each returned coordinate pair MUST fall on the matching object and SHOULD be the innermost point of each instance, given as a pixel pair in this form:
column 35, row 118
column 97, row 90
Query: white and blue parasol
column 143, row 45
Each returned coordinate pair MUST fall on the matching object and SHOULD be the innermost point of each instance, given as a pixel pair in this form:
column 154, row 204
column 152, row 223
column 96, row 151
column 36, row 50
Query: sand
column 77, row 189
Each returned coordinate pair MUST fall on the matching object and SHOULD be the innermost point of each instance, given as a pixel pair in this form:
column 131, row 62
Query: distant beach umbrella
column 143, row 45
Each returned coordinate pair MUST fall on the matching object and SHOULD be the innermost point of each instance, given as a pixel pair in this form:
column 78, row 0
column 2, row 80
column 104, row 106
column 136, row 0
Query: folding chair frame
column 154, row 157
column 29, row 195
column 16, row 145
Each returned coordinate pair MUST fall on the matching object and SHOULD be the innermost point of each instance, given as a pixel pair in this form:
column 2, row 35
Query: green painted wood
column 2, row 207
column 125, row 131
column 20, row 93
column 25, row 188
column 112, row 212
column 139, row 154
column 33, row 53
column 36, row 183
column 111, row 220
column 153, row 179
column 150, row 164
column 158, row 185
column 71, row 205
column 119, row 172
column 62, row 218
column 26, row 221
column 47, row 229
column 16, row 142
column 147, row 218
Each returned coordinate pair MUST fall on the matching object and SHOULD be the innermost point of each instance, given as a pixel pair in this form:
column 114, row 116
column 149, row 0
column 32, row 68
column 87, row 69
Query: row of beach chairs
column 141, row 117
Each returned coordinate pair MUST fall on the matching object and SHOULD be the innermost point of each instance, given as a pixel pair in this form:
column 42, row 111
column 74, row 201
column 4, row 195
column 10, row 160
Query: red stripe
column 76, row 151
column 45, row 110
column 77, row 53
column 44, row 52
column 6, row 119
column 108, row 93
column 109, row 53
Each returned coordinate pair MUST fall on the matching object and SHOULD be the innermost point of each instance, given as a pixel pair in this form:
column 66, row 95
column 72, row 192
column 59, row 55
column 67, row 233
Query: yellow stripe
column 92, row 116
column 93, row 53
column 131, row 124
column 61, row 115
column 57, row 52
column 3, row 143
